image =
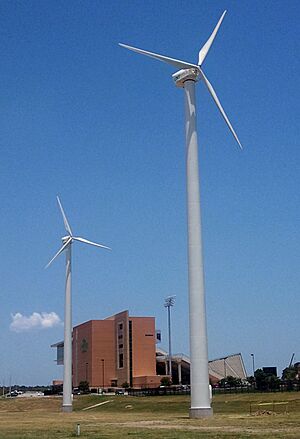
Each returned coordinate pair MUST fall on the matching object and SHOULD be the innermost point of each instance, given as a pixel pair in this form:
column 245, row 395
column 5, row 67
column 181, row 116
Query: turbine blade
column 215, row 98
column 174, row 62
column 77, row 238
column 59, row 251
column 67, row 225
column 205, row 49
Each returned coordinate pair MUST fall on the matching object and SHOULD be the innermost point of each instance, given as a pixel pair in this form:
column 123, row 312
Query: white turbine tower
column 67, row 242
column 186, row 78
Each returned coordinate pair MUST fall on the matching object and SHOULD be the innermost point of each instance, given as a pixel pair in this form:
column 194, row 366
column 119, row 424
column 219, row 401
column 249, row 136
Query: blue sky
column 104, row 128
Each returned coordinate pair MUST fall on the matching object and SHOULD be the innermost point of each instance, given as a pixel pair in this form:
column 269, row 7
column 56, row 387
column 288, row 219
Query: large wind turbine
column 186, row 78
column 67, row 242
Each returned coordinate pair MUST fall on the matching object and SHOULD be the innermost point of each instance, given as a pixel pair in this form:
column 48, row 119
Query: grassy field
column 151, row 417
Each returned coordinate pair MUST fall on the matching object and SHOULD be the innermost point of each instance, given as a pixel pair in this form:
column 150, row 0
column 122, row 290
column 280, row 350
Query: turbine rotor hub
column 65, row 239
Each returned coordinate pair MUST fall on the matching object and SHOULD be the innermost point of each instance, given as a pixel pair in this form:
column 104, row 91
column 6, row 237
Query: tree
column 251, row 380
column 289, row 373
column 165, row 381
column 265, row 381
column 230, row 381
column 84, row 387
column 125, row 385
column 233, row 381
column 261, row 380
column 289, row 376
column 273, row 382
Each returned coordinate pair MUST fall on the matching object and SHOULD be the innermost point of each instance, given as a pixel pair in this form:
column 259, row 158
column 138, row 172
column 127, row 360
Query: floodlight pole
column 67, row 384
column 200, row 397
column 9, row 386
column 253, row 364
column 170, row 347
column 169, row 301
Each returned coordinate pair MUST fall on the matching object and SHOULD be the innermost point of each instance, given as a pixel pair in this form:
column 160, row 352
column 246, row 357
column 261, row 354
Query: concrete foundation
column 197, row 413
column 67, row 408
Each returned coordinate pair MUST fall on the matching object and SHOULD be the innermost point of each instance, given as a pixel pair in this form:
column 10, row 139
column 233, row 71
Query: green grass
column 151, row 417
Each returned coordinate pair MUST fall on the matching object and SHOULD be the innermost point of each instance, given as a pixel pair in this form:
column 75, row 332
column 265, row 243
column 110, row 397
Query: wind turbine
column 186, row 78
column 67, row 242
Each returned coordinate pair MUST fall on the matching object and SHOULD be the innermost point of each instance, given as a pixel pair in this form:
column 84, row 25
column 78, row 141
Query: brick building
column 119, row 349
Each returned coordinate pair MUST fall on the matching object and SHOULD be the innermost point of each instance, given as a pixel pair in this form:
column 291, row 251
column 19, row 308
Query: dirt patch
column 164, row 425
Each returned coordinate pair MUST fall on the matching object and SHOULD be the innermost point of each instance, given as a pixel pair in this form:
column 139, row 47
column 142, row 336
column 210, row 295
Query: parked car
column 12, row 394
column 120, row 392
column 184, row 387
column 76, row 391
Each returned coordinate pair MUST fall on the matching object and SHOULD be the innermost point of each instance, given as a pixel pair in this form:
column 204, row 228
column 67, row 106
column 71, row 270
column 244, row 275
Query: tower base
column 198, row 413
column 67, row 408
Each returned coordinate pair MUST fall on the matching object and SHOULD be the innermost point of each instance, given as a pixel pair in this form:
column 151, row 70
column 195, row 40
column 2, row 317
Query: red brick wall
column 143, row 346
column 82, row 353
column 92, row 342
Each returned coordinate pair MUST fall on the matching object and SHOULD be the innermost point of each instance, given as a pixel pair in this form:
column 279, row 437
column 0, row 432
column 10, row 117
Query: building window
column 60, row 354
column 84, row 345
column 120, row 353
column 121, row 361
column 158, row 336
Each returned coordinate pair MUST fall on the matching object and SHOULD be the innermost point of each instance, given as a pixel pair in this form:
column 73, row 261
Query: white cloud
column 37, row 320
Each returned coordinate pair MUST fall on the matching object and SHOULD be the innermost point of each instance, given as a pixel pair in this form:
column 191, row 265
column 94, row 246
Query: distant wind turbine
column 67, row 242
column 186, row 78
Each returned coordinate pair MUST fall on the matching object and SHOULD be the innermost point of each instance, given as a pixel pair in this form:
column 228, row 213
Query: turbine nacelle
column 185, row 75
